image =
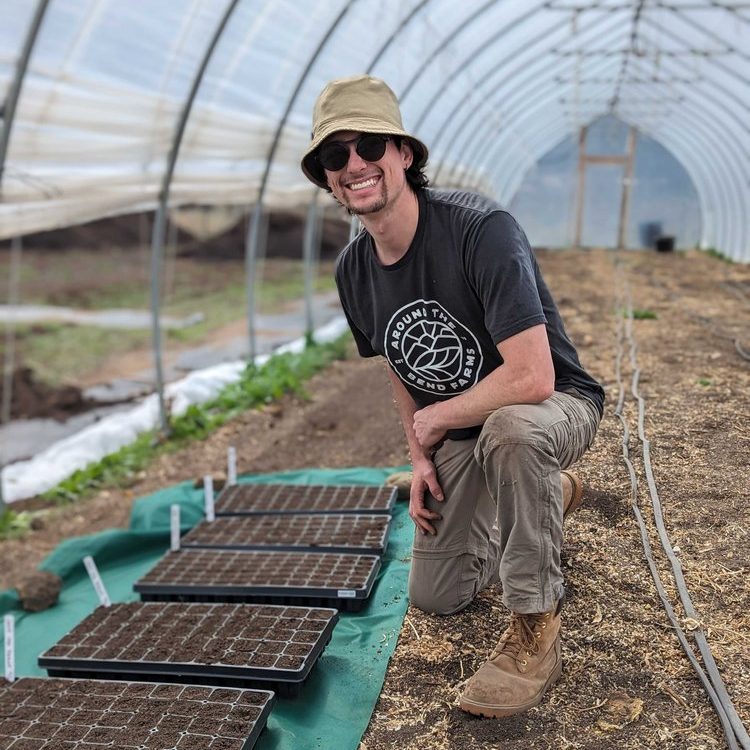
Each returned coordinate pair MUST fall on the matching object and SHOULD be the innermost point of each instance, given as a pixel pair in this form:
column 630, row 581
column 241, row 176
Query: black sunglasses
column 334, row 155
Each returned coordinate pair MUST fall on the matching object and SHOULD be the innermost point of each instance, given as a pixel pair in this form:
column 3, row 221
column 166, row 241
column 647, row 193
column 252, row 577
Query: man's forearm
column 499, row 388
column 406, row 408
column 526, row 376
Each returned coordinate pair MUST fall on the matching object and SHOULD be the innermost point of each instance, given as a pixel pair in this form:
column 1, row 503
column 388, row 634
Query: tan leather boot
column 572, row 488
column 523, row 665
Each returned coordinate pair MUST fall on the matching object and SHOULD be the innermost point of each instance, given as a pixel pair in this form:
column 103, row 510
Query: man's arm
column 527, row 376
column 423, row 469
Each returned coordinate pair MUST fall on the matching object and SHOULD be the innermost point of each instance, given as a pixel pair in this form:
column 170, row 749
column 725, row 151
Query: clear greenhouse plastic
column 490, row 86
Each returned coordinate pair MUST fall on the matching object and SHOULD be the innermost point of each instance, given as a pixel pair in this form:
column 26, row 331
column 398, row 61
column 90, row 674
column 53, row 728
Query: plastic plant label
column 231, row 466
column 346, row 594
column 10, row 648
column 208, row 497
column 174, row 528
column 97, row 582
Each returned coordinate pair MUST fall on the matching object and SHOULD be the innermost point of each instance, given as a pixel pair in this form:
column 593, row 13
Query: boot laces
column 521, row 637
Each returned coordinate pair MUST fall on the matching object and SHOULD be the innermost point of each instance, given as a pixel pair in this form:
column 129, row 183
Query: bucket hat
column 360, row 103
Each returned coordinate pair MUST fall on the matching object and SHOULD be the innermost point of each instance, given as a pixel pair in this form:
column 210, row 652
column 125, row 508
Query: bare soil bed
column 626, row 683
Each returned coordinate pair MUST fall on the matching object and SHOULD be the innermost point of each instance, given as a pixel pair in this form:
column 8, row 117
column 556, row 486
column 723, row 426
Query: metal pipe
column 308, row 260
column 527, row 105
column 14, row 92
column 495, row 70
column 444, row 131
column 439, row 49
column 14, row 276
column 9, row 351
column 157, row 237
column 251, row 241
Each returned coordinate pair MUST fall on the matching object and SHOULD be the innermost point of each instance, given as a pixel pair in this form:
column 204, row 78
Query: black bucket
column 664, row 244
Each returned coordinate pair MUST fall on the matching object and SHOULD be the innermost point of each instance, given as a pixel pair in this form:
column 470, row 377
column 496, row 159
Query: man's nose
column 356, row 162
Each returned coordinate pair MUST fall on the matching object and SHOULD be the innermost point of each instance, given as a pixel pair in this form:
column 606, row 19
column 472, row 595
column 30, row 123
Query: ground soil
column 626, row 682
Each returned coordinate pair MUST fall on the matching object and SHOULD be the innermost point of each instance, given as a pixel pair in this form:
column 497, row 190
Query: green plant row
column 258, row 385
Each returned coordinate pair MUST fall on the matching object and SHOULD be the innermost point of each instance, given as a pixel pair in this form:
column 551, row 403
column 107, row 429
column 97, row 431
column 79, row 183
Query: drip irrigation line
column 709, row 675
column 737, row 288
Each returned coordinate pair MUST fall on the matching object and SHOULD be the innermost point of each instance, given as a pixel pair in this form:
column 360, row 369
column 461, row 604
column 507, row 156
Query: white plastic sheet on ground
column 45, row 470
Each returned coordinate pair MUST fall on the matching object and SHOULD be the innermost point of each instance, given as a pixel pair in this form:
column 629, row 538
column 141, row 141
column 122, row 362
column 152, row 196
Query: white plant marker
column 97, row 582
column 208, row 497
column 231, row 466
column 174, row 527
column 10, row 648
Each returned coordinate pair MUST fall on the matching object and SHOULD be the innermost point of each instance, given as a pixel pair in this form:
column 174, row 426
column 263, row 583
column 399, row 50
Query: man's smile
column 363, row 183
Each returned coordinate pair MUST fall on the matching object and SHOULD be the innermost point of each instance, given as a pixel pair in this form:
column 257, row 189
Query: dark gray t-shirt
column 468, row 281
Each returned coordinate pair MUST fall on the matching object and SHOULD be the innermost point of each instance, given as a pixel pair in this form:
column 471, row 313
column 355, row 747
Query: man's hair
column 415, row 175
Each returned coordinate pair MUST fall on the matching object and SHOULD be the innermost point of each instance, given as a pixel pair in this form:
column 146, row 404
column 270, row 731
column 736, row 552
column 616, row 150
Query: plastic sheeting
column 336, row 703
column 42, row 472
column 489, row 85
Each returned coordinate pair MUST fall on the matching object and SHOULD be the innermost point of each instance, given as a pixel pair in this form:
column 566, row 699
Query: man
column 492, row 396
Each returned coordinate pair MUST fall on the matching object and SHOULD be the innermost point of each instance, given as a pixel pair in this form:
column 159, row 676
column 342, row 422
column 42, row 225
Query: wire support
column 734, row 731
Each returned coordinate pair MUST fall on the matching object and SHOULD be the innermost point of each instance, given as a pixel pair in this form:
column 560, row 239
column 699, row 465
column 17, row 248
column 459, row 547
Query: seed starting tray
column 38, row 713
column 249, row 499
column 344, row 532
column 240, row 645
column 220, row 575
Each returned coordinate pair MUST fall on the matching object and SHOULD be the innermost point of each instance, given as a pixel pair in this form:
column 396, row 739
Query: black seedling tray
column 220, row 575
column 53, row 714
column 242, row 645
column 249, row 499
column 344, row 532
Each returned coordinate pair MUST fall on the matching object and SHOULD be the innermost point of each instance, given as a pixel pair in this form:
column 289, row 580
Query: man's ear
column 407, row 153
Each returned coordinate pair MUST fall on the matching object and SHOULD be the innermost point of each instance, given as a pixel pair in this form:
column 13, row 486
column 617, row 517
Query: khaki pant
column 502, row 513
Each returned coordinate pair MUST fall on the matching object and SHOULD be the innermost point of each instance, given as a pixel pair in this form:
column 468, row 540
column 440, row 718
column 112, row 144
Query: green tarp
column 338, row 698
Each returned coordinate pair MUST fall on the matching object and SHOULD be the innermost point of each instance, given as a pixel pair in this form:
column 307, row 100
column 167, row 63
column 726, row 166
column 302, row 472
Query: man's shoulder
column 471, row 211
column 464, row 204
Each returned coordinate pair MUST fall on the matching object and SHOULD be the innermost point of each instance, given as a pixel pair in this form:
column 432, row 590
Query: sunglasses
column 334, row 155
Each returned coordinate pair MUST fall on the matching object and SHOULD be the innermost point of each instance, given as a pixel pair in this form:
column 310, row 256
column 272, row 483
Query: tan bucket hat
column 361, row 103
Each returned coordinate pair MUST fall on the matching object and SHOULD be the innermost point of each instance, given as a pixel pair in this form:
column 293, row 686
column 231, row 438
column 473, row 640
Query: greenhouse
column 183, row 406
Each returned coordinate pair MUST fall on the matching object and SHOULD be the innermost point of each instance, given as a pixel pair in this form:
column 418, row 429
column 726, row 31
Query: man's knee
column 434, row 602
column 516, row 427
column 443, row 586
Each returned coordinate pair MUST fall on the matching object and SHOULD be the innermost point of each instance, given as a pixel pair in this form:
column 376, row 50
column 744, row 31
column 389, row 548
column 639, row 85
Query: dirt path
column 618, row 647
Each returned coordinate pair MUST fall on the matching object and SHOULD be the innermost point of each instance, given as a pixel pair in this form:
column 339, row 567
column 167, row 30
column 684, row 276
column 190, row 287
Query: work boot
column 524, row 664
column 572, row 488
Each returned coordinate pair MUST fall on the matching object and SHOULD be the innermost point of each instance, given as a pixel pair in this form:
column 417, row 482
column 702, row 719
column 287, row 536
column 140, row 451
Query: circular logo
column 431, row 350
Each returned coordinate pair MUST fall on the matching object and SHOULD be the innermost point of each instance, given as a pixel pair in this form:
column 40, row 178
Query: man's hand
column 425, row 477
column 428, row 427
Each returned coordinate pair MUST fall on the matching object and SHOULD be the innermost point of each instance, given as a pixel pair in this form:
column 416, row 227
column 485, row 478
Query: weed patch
column 259, row 385
column 14, row 524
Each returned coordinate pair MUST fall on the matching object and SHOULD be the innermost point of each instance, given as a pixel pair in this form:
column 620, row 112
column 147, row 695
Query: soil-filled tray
column 242, row 645
column 332, row 579
column 344, row 532
column 54, row 714
column 248, row 499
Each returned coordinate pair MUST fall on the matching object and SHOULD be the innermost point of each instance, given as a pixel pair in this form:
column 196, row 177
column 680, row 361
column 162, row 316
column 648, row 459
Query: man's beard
column 376, row 204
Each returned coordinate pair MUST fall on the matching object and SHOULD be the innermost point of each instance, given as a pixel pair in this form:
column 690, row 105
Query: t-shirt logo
column 431, row 350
